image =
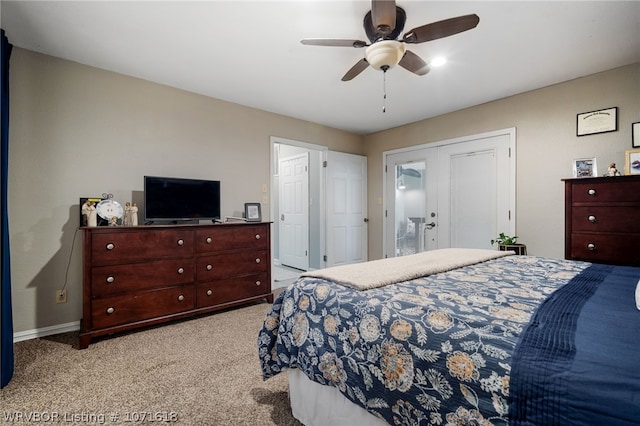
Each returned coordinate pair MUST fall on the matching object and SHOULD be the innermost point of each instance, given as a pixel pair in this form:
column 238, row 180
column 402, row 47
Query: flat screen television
column 177, row 199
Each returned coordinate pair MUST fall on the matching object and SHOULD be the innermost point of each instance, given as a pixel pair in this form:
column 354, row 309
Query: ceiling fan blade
column 360, row 66
column 383, row 14
column 441, row 29
column 412, row 62
column 333, row 42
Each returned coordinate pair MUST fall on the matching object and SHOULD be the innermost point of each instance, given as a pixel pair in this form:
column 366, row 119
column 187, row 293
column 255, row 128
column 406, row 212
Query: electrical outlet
column 61, row 296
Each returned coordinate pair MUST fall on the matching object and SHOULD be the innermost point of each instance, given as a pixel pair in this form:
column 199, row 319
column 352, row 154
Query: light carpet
column 203, row 371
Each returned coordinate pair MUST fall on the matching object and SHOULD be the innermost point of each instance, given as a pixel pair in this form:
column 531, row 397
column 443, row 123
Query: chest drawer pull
column 180, row 298
column 180, row 242
column 591, row 246
column 257, row 283
column 110, row 310
column 258, row 260
column 209, row 292
column 591, row 192
column 180, row 271
column 592, row 219
column 110, row 279
column 258, row 236
column 110, row 246
column 209, row 267
column 209, row 240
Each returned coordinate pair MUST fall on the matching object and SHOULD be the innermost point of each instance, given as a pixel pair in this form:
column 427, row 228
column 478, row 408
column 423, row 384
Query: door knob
column 430, row 225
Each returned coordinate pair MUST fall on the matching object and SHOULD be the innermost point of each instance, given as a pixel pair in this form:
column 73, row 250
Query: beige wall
column 78, row 131
column 546, row 144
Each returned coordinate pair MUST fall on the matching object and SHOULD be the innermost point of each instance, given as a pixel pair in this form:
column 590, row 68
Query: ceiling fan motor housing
column 385, row 54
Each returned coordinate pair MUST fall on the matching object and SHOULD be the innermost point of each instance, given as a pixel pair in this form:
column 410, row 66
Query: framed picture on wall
column 601, row 121
column 635, row 135
column 632, row 162
column 585, row 167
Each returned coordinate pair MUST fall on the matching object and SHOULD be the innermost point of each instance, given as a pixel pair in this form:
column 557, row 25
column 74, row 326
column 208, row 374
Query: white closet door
column 346, row 208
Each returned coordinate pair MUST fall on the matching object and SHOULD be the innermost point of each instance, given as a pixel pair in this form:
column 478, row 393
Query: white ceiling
column 249, row 52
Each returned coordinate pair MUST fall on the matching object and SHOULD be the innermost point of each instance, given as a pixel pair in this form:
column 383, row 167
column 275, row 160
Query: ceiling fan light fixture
column 385, row 54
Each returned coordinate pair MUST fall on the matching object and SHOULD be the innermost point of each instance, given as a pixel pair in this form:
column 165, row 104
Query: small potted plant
column 506, row 242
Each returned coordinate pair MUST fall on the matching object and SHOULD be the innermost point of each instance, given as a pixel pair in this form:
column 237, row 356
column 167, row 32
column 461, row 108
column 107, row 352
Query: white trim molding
column 46, row 331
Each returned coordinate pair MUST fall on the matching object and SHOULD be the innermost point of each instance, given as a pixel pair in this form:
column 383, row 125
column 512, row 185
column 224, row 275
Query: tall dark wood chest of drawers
column 602, row 220
column 143, row 275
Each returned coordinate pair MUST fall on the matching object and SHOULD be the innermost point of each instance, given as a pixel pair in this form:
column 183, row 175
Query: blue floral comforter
column 434, row 350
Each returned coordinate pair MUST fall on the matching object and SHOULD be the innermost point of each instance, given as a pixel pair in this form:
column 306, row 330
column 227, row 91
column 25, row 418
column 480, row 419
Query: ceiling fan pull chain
column 384, row 91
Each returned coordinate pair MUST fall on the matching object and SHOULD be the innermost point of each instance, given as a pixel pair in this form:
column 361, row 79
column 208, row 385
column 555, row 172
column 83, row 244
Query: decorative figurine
column 134, row 215
column 85, row 213
column 613, row 171
column 127, row 214
column 89, row 214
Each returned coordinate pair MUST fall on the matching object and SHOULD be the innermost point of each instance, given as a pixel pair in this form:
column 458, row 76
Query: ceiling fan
column 383, row 24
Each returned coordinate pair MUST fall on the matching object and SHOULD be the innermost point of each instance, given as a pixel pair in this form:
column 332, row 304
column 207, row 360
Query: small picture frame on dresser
column 252, row 212
column 585, row 167
column 632, row 162
column 635, row 135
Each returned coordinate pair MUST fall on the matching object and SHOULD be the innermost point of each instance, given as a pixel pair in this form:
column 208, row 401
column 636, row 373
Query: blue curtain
column 6, row 317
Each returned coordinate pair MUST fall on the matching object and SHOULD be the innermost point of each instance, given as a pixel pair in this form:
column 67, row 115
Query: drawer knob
column 258, row 236
column 591, row 246
column 209, row 267
column 110, row 279
column 110, row 246
column 258, row 260
column 257, row 283
column 180, row 242
column 181, row 271
column 591, row 192
column 592, row 219
column 180, row 298
column 209, row 292
column 110, row 310
column 209, row 240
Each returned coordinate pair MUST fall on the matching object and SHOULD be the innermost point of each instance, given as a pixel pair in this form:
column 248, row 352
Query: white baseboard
column 45, row 331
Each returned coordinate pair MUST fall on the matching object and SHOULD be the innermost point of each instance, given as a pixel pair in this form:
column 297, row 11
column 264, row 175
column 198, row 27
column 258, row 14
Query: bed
column 457, row 337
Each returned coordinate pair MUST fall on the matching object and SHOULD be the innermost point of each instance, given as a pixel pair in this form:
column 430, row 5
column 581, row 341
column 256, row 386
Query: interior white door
column 346, row 206
column 294, row 211
column 455, row 194
column 475, row 195
column 411, row 181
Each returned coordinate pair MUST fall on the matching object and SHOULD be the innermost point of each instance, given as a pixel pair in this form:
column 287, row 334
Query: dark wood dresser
column 602, row 219
column 138, row 276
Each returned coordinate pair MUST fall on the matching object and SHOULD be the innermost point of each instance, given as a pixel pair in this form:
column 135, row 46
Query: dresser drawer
column 621, row 249
column 227, row 290
column 625, row 219
column 129, row 308
column 222, row 238
column 111, row 280
column 605, row 191
column 230, row 264
column 129, row 247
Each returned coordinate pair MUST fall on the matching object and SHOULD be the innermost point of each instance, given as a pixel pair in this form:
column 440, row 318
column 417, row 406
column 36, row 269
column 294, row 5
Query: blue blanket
column 578, row 362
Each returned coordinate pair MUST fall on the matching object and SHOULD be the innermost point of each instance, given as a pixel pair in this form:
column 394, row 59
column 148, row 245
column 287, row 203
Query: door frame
column 510, row 132
column 273, row 160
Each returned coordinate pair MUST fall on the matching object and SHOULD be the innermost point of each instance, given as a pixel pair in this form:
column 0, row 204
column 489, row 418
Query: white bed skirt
column 317, row 405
